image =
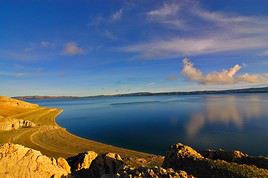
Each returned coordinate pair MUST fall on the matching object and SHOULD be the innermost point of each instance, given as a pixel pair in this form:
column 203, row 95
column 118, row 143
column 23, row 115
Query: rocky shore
column 61, row 154
column 180, row 161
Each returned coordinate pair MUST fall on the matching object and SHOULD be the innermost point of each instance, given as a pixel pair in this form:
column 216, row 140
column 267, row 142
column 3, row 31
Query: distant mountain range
column 232, row 91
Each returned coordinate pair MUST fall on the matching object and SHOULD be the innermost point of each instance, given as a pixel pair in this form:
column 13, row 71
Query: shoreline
column 52, row 140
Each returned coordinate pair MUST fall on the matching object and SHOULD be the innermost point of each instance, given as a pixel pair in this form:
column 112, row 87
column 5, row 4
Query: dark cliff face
column 181, row 161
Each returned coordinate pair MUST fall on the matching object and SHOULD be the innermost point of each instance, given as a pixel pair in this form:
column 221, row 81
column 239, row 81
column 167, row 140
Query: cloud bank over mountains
column 225, row 77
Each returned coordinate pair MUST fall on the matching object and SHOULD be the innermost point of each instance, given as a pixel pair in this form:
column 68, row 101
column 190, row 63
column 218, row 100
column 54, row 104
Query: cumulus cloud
column 72, row 49
column 223, row 77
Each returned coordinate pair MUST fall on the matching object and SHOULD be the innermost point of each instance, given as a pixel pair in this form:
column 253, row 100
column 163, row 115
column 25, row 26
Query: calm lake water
column 152, row 123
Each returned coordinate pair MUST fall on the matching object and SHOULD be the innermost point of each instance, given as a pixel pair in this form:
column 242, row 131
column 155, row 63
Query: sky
column 94, row 47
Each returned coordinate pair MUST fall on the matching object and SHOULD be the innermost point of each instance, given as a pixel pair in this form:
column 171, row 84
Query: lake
column 152, row 123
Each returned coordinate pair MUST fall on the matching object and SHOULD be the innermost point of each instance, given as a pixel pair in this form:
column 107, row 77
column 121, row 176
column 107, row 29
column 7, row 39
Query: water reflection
column 226, row 110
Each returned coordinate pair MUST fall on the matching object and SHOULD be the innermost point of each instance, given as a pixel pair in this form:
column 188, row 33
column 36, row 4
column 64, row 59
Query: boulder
column 179, row 155
column 20, row 161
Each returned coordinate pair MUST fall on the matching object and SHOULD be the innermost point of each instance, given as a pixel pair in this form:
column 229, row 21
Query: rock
column 82, row 160
column 7, row 124
column 20, row 161
column 223, row 155
column 237, row 157
column 155, row 172
column 106, row 165
column 64, row 164
column 141, row 161
column 182, row 157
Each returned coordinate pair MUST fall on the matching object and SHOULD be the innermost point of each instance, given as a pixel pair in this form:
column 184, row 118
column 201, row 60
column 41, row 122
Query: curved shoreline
column 53, row 140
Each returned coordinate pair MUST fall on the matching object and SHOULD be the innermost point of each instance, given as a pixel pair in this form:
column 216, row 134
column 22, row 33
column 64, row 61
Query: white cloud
column 13, row 74
column 72, row 49
column 201, row 32
column 46, row 44
column 117, row 15
column 223, row 77
column 264, row 53
column 167, row 15
column 165, row 10
column 193, row 46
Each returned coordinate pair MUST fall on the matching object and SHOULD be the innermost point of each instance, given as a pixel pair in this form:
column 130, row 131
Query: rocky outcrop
column 181, row 161
column 20, row 161
column 82, row 160
column 237, row 157
column 6, row 101
column 223, row 155
column 11, row 124
column 105, row 165
column 181, row 157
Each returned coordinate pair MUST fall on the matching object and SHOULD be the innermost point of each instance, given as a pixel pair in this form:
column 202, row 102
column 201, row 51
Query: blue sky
column 97, row 47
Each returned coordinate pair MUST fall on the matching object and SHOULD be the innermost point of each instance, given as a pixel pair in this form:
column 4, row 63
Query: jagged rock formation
column 82, row 160
column 19, row 161
column 181, row 157
column 15, row 103
column 10, row 124
column 104, row 165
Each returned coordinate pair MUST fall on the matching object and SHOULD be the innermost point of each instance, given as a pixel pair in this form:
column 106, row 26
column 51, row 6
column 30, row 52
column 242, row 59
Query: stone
column 20, row 161
column 64, row 164
column 156, row 172
column 8, row 123
column 82, row 160
column 223, row 155
column 180, row 155
column 237, row 157
column 106, row 164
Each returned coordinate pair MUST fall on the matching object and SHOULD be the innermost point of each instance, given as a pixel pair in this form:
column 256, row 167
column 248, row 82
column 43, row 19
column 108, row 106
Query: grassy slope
column 55, row 141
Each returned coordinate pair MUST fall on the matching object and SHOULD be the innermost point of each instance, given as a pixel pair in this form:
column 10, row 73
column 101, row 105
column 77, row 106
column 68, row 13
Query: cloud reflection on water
column 226, row 110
